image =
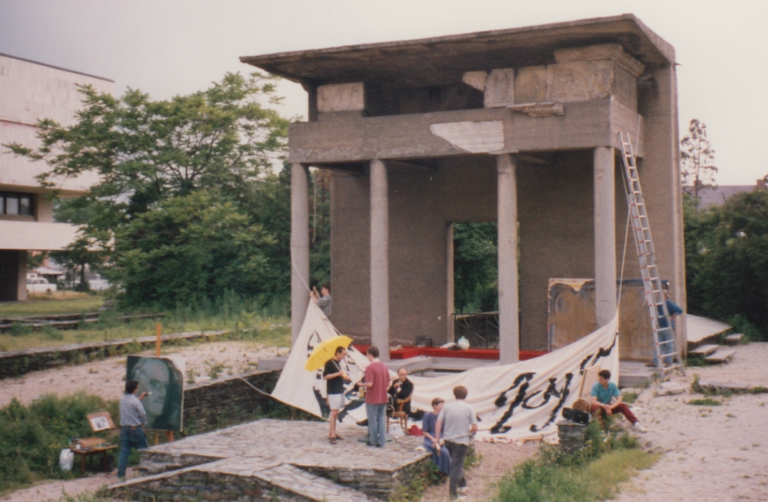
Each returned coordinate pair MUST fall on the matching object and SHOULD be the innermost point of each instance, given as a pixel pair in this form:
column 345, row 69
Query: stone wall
column 228, row 401
column 20, row 362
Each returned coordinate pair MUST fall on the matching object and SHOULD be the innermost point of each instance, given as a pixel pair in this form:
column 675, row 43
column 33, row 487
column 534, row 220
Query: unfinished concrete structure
column 30, row 91
column 516, row 126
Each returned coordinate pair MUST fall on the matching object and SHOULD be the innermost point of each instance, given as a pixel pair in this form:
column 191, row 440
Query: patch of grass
column 64, row 302
column 586, row 475
column 707, row 401
column 629, row 397
column 695, row 360
column 758, row 390
column 247, row 321
column 414, row 491
column 32, row 437
column 19, row 329
column 215, row 370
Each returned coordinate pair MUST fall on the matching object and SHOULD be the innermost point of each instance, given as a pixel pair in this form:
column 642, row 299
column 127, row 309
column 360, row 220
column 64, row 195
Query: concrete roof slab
column 443, row 60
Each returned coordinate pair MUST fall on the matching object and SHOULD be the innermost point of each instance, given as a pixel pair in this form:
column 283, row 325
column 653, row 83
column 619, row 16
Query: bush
column 589, row 474
column 32, row 437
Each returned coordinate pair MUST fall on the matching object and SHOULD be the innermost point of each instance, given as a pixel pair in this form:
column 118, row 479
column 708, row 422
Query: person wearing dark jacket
column 400, row 390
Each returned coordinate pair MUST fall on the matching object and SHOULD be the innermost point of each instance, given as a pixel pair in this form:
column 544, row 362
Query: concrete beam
column 299, row 248
column 380, row 258
column 605, row 235
column 509, row 326
column 584, row 125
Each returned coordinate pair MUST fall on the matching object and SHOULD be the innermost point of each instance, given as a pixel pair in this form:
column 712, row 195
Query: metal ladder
column 665, row 344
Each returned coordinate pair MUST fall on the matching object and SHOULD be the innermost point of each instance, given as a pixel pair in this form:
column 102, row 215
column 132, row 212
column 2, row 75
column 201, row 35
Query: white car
column 40, row 285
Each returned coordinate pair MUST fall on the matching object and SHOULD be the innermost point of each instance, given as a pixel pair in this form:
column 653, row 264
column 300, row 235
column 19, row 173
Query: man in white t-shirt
column 460, row 423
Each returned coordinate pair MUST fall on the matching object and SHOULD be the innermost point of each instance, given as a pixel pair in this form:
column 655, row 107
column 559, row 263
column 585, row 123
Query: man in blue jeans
column 133, row 418
column 376, row 380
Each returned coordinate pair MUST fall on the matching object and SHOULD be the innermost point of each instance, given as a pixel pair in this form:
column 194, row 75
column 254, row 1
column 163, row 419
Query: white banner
column 520, row 401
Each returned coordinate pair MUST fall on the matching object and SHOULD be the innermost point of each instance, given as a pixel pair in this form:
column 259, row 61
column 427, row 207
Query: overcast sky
column 168, row 47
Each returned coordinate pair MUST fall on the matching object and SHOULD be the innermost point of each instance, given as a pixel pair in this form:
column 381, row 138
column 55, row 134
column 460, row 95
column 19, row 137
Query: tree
column 475, row 267
column 730, row 280
column 215, row 146
column 77, row 256
column 697, row 157
column 191, row 249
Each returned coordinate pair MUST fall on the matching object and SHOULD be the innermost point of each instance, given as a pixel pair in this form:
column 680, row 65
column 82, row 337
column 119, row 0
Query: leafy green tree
column 189, row 249
column 697, row 158
column 475, row 267
column 80, row 255
column 730, row 276
column 215, row 146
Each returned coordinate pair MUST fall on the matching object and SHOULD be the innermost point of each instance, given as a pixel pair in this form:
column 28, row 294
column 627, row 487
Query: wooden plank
column 704, row 350
column 721, row 356
column 734, row 339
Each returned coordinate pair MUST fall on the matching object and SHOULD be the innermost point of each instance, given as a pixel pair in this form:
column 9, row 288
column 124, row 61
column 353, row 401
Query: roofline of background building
column 56, row 67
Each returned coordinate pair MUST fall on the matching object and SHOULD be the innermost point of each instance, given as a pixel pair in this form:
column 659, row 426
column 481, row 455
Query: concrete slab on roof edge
column 523, row 46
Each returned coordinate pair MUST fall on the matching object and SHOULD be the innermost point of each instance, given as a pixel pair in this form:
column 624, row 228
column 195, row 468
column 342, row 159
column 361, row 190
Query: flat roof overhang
column 443, row 60
column 36, row 236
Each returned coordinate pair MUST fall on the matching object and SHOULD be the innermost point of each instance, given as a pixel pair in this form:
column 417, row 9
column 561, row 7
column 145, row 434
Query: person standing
column 334, row 377
column 456, row 423
column 323, row 299
column 440, row 455
column 666, row 334
column 132, row 421
column 376, row 382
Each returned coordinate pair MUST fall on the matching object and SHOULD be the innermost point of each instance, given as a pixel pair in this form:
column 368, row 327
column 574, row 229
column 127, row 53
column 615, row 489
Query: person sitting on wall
column 606, row 399
column 440, row 455
column 323, row 299
column 400, row 391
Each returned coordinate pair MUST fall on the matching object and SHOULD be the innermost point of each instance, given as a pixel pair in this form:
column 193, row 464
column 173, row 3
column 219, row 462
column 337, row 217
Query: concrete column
column 509, row 325
column 380, row 258
column 13, row 276
column 605, row 235
column 450, row 293
column 299, row 248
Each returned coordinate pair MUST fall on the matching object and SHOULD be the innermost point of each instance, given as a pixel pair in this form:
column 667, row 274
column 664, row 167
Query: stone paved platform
column 288, row 459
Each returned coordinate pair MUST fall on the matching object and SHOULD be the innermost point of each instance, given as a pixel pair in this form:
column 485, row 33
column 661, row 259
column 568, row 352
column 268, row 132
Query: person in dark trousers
column 455, row 424
column 666, row 333
column 400, row 389
column 376, row 382
column 335, row 377
column 440, row 455
column 606, row 399
column 133, row 418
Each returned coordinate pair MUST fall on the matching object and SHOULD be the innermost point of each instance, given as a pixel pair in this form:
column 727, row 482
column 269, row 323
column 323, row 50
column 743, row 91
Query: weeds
column 589, row 474
column 629, row 397
column 705, row 402
column 31, row 437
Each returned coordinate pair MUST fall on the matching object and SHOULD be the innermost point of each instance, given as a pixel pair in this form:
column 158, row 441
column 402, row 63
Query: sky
column 171, row 47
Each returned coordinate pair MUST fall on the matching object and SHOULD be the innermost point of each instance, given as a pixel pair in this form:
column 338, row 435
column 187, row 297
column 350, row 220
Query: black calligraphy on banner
column 523, row 381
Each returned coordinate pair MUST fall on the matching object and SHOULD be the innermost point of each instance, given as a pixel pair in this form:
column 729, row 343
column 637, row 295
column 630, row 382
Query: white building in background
column 30, row 91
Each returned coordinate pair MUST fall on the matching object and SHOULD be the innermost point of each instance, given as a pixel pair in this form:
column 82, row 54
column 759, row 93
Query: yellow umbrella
column 325, row 351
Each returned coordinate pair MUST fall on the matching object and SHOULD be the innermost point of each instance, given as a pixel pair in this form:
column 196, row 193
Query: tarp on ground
column 518, row 401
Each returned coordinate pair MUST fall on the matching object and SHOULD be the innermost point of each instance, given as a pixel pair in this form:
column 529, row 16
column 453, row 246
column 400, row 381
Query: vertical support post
column 299, row 248
column 380, row 258
column 605, row 235
column 509, row 323
column 451, row 293
column 158, row 342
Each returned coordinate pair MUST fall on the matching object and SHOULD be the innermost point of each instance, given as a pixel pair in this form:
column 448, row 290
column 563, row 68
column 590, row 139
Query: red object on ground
column 487, row 354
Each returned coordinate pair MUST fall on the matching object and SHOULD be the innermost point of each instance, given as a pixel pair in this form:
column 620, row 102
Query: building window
column 16, row 203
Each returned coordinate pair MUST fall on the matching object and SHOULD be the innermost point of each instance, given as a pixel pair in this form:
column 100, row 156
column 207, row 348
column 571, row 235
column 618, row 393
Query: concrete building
column 517, row 126
column 30, row 91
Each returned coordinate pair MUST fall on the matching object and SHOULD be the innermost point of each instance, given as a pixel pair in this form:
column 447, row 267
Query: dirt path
column 105, row 378
column 711, row 453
